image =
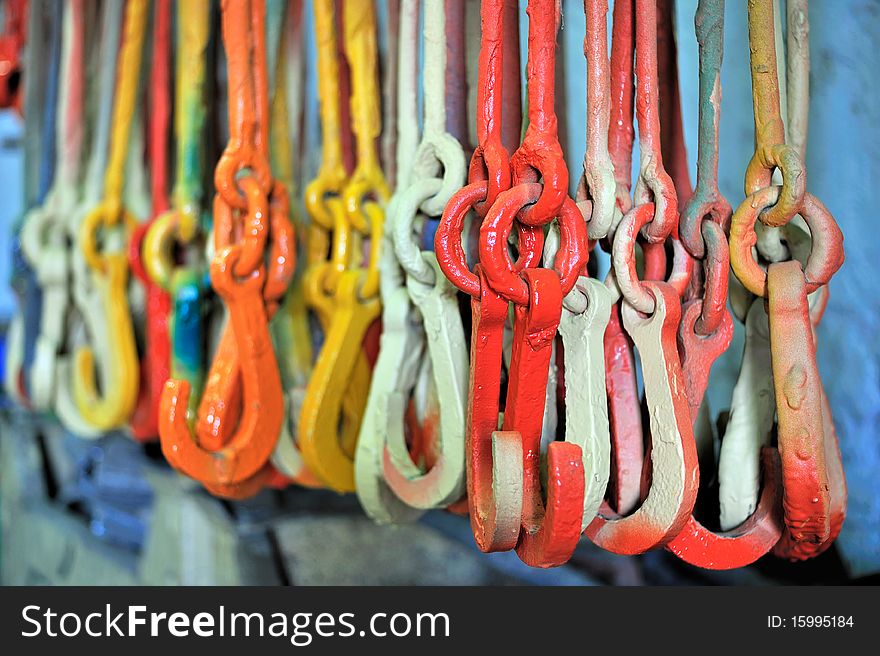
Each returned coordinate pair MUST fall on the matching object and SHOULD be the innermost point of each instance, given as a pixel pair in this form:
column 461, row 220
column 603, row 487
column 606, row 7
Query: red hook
column 550, row 532
column 156, row 361
column 494, row 459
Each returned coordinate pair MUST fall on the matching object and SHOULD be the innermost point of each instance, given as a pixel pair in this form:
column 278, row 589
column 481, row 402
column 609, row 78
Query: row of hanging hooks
column 316, row 332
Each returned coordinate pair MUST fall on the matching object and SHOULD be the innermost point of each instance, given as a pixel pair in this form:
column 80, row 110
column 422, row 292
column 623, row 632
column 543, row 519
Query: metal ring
column 104, row 214
column 408, row 252
column 546, row 165
column 223, row 277
column 490, row 163
column 450, row 251
column 824, row 260
column 358, row 193
column 135, row 253
column 282, row 245
column 623, row 258
column 656, row 187
column 716, row 265
column 794, row 181
column 255, row 229
column 315, row 198
column 699, row 208
column 176, row 225
column 438, row 153
column 237, row 158
column 502, row 273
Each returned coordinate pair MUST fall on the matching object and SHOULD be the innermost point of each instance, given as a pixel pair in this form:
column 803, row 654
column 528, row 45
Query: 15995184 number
column 821, row 621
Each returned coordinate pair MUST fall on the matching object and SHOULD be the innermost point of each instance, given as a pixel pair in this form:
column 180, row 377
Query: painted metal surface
column 551, row 526
column 674, row 472
column 365, row 256
column 38, row 91
column 382, row 449
column 801, row 419
column 707, row 329
column 771, row 150
column 494, row 460
column 113, row 406
column 12, row 42
column 181, row 227
column 88, row 311
column 43, row 233
column 251, row 219
column 155, row 363
column 598, row 185
column 402, row 341
column 624, row 414
column 357, row 215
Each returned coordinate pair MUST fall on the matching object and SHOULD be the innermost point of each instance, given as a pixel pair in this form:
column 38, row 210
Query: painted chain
column 802, row 420
column 109, row 266
column 244, row 379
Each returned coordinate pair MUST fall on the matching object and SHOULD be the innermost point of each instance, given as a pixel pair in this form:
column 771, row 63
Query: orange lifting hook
column 239, row 275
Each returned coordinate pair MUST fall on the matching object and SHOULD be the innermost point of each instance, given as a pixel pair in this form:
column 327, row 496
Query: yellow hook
column 112, row 406
column 354, row 305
